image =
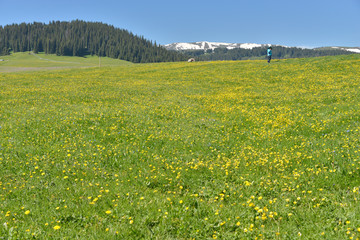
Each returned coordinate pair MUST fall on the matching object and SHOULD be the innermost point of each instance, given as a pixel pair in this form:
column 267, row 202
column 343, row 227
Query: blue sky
column 310, row 23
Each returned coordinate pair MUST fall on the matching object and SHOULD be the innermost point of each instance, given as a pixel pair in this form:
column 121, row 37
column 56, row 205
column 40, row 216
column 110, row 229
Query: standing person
column 269, row 54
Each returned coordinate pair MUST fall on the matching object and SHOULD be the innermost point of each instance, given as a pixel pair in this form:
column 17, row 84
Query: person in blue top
column 269, row 54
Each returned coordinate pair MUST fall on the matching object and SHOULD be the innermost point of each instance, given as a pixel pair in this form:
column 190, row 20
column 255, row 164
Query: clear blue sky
column 309, row 23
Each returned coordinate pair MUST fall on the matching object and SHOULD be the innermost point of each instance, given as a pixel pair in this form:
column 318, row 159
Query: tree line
column 279, row 52
column 80, row 38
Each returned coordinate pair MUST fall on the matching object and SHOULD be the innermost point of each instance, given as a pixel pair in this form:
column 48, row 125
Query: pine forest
column 80, row 38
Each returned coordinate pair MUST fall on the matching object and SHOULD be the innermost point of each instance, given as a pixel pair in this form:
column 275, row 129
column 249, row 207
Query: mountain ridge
column 206, row 45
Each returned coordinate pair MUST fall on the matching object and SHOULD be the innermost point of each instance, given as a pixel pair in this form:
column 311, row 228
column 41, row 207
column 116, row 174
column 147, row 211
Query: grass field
column 27, row 61
column 204, row 150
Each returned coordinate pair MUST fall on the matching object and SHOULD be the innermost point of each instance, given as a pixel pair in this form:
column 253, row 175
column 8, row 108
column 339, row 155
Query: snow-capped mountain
column 211, row 45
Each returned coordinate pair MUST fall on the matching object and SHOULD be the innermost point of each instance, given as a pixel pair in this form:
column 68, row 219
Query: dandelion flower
column 57, row 227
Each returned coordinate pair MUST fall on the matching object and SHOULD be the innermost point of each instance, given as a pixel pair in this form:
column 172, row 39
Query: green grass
column 29, row 61
column 204, row 150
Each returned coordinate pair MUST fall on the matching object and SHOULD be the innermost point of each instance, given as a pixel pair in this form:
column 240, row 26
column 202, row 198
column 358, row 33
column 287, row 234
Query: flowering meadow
column 204, row 150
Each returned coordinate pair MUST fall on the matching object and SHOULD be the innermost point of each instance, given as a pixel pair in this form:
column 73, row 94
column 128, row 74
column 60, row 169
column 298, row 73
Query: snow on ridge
column 205, row 45
column 213, row 45
column 184, row 46
column 355, row 50
column 249, row 45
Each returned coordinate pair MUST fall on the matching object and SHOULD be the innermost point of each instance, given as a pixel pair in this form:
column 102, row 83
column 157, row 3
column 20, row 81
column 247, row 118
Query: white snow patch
column 186, row 46
column 213, row 45
column 355, row 50
column 249, row 45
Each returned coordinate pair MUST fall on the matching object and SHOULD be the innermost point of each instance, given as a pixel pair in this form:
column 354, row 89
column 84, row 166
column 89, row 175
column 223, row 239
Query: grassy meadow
column 28, row 61
column 204, row 150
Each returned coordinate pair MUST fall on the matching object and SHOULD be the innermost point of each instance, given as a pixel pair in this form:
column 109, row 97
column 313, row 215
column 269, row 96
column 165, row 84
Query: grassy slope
column 228, row 150
column 27, row 61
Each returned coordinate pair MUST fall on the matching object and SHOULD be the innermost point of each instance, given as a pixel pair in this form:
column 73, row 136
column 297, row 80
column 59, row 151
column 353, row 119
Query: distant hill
column 349, row 49
column 210, row 46
column 206, row 51
column 80, row 38
column 204, row 45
